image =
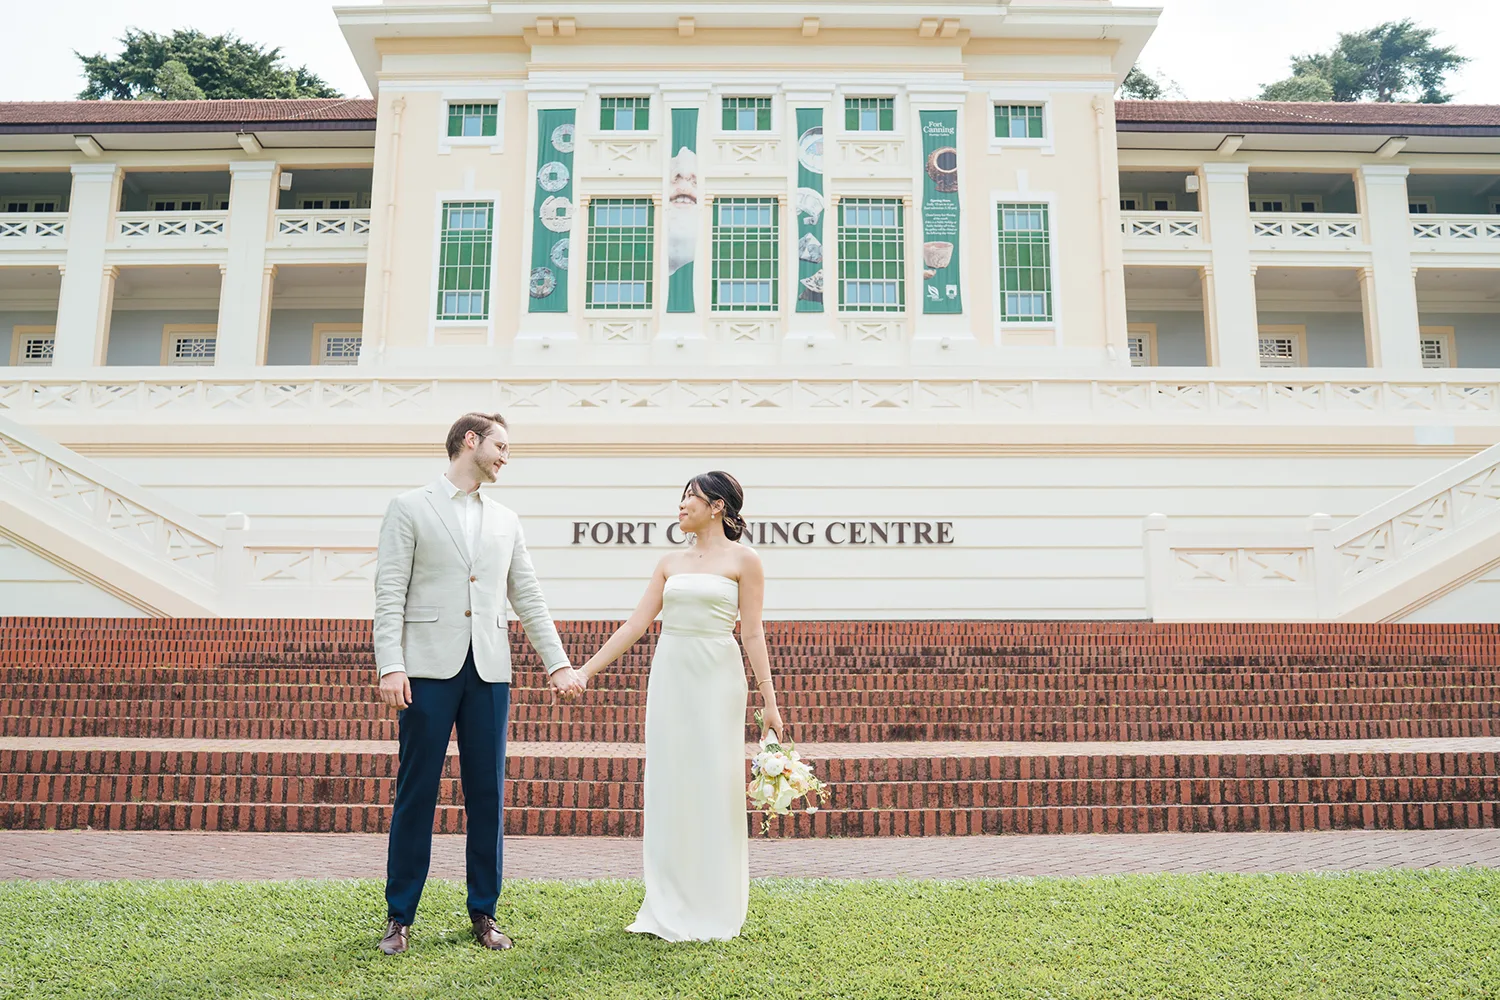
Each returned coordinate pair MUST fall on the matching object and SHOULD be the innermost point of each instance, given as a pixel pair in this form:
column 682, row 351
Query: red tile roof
column 1307, row 116
column 193, row 115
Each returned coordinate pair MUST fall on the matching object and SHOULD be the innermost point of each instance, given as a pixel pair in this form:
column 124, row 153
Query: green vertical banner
column 681, row 215
column 554, row 211
column 940, row 287
column 809, row 208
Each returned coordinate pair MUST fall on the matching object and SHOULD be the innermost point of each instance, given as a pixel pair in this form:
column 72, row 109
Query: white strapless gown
column 697, row 845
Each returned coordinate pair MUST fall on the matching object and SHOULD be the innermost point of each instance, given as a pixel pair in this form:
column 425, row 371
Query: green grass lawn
column 1389, row 934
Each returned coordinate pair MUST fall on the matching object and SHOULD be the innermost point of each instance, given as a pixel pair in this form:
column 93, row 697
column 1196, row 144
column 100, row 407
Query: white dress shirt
column 470, row 511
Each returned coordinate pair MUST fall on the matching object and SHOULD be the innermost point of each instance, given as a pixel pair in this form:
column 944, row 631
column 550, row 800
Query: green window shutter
column 887, row 115
column 1034, row 124
column 465, row 258
column 872, row 264
column 491, row 119
column 621, row 238
column 851, row 115
column 763, row 115
column 1025, row 261
column 606, row 115
column 746, row 255
column 455, row 120
column 730, row 113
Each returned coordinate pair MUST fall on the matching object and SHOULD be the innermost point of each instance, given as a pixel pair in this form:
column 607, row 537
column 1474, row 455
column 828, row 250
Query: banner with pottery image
column 809, row 209
column 554, row 211
column 940, row 286
column 682, row 218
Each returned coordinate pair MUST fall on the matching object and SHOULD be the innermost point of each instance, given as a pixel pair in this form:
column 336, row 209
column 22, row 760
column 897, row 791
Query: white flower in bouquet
column 779, row 777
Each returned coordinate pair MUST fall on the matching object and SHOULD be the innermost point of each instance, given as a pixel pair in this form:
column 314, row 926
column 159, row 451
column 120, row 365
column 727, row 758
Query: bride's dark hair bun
column 713, row 486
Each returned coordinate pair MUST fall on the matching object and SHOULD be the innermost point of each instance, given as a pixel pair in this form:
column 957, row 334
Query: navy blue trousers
column 482, row 712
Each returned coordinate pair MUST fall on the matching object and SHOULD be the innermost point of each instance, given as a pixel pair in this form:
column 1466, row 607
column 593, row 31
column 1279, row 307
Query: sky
column 1212, row 49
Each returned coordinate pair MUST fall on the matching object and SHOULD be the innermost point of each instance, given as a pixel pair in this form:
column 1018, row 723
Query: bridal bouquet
column 779, row 777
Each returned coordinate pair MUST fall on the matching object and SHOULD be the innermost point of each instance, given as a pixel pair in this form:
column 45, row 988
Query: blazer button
column 468, row 614
column 473, row 579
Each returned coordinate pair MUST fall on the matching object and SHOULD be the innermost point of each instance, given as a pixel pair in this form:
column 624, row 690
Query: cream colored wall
column 31, row 585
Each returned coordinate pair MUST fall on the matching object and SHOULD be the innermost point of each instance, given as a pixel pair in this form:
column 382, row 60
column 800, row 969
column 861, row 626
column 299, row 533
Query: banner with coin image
column 681, row 217
column 809, row 209
column 940, row 288
column 554, row 211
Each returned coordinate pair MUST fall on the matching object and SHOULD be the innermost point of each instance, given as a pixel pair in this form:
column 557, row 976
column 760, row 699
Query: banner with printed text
column 554, row 211
column 681, row 215
column 809, row 209
column 940, row 286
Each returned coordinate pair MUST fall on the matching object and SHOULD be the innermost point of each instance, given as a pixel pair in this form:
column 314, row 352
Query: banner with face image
column 940, row 287
column 681, row 215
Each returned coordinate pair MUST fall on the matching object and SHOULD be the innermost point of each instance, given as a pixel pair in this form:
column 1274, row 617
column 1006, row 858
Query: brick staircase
column 923, row 727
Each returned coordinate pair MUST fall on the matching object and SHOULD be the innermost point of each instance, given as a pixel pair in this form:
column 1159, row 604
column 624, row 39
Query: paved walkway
column 813, row 751
column 243, row 856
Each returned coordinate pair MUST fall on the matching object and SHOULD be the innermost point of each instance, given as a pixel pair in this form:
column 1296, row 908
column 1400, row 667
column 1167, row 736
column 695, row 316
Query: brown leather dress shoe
column 487, row 934
column 394, row 942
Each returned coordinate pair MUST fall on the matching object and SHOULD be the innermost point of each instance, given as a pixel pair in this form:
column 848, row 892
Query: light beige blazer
column 432, row 601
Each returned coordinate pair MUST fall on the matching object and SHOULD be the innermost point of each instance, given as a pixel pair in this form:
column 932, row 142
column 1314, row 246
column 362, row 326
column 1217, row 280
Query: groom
column 448, row 560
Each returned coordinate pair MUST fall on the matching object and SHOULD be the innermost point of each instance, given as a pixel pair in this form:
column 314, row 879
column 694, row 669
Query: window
column 31, row 205
column 465, row 259
column 1283, row 346
column 465, row 120
column 1025, row 253
column 621, row 241
column 624, row 114
column 1268, row 204
column 336, row 343
column 1437, row 347
column 1142, row 340
column 1422, row 206
column 32, row 346
column 746, row 256
column 872, row 255
column 1162, row 202
column 325, row 203
column 1130, row 204
column 869, row 114
column 193, row 204
column 747, row 114
column 1020, row 121
column 188, row 344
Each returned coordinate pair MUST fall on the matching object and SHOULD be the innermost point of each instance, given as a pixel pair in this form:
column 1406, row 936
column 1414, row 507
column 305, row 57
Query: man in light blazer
column 448, row 560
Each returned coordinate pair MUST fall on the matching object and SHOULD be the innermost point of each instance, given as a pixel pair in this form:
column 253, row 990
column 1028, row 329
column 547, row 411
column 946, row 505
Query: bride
column 697, row 851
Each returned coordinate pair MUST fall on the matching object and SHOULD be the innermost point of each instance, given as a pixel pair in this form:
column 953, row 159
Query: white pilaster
column 244, row 296
column 1392, row 340
column 1234, row 340
column 87, row 295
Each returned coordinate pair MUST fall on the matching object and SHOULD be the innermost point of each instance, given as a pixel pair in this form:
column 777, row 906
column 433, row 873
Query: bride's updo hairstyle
column 722, row 486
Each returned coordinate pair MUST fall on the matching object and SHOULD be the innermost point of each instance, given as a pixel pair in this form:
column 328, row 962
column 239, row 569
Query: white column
column 244, row 296
column 1392, row 340
column 87, row 295
column 1234, row 341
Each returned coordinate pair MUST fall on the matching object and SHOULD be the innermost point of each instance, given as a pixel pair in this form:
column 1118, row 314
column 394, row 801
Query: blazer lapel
column 443, row 507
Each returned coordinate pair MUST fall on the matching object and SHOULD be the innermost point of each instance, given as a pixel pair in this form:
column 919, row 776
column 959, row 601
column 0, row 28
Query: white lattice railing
column 342, row 226
column 39, row 227
column 1388, row 559
column 1304, row 227
column 1450, row 232
column 1162, row 228
column 301, row 394
column 76, row 492
column 171, row 226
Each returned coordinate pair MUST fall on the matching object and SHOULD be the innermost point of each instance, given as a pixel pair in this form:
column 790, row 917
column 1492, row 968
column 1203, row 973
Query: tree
column 1141, row 86
column 189, row 65
column 1395, row 61
column 1298, row 88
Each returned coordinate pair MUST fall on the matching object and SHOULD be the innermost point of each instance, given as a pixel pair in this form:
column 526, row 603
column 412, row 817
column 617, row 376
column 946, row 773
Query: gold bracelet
column 762, row 683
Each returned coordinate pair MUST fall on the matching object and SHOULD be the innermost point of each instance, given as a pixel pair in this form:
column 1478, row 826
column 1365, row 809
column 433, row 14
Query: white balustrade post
column 1392, row 339
column 1325, row 568
column 87, row 295
column 1157, row 558
column 233, row 570
column 1235, row 343
column 244, row 298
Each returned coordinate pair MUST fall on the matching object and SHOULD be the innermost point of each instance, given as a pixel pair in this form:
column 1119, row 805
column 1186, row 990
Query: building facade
column 979, row 340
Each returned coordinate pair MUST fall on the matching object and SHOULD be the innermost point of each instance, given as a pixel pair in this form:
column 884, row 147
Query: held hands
column 395, row 689
column 567, row 683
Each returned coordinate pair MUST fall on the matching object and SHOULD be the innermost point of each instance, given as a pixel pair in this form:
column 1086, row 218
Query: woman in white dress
column 697, row 850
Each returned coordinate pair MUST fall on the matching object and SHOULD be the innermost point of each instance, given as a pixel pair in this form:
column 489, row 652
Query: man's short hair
column 480, row 423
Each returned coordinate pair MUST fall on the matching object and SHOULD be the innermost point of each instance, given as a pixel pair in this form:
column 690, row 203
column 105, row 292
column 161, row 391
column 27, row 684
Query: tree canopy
column 1395, row 61
column 189, row 65
column 1142, row 86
